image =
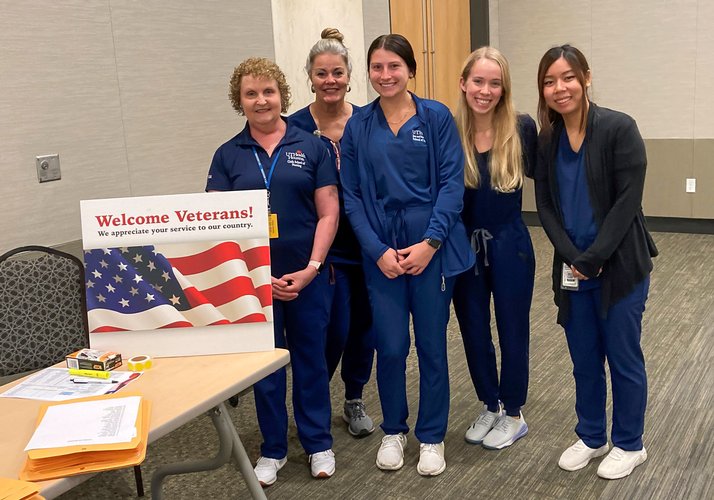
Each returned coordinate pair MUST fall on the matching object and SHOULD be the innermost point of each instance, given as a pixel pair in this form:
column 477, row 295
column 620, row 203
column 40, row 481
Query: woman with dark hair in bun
column 402, row 175
column 349, row 334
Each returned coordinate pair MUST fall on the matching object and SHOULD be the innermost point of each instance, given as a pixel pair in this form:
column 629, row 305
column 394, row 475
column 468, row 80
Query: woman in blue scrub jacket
column 349, row 334
column 402, row 175
column 500, row 149
column 295, row 168
column 589, row 180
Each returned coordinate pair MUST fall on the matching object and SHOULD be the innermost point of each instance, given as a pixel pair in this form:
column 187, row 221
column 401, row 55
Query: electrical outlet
column 691, row 186
column 48, row 168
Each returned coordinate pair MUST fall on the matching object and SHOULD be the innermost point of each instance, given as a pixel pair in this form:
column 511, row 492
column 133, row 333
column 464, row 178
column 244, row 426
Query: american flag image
column 178, row 285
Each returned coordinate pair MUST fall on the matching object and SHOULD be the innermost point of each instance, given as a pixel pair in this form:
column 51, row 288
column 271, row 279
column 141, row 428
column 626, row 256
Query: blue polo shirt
column 303, row 165
column 345, row 249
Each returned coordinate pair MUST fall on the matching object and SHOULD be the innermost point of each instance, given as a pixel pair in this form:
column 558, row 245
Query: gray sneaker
column 360, row 424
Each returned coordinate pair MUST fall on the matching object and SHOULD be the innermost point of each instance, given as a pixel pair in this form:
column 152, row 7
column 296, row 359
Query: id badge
column 568, row 281
column 273, row 225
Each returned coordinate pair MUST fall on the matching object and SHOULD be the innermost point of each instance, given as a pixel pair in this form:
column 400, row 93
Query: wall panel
column 297, row 26
column 58, row 94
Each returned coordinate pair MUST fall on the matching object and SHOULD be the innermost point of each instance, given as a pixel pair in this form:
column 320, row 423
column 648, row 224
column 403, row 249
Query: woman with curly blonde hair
column 295, row 169
column 500, row 149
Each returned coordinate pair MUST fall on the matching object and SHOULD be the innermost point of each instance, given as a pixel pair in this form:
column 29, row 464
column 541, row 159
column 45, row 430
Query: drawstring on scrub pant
column 479, row 239
column 398, row 230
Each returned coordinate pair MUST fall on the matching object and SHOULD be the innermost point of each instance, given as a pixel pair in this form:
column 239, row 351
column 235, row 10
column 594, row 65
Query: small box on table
column 91, row 359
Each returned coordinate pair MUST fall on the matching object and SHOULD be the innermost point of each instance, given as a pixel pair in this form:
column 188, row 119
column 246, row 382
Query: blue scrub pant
column 300, row 325
column 509, row 278
column 349, row 334
column 591, row 341
column 392, row 301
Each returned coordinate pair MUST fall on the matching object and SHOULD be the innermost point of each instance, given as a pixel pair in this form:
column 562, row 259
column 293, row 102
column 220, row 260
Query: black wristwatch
column 433, row 243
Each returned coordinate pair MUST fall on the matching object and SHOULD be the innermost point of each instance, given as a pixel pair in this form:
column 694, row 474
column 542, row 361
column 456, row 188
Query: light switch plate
column 691, row 186
column 48, row 168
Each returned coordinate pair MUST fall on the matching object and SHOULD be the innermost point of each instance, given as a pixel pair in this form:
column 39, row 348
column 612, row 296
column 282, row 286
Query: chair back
column 42, row 308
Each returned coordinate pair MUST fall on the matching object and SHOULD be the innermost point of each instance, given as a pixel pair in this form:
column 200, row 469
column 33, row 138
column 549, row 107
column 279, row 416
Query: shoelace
column 358, row 410
column 321, row 455
column 616, row 454
column 429, row 448
column 392, row 441
column 266, row 463
column 484, row 417
column 502, row 424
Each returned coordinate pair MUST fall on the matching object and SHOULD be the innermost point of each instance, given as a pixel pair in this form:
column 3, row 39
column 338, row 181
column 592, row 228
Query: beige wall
column 297, row 26
column 133, row 95
column 652, row 60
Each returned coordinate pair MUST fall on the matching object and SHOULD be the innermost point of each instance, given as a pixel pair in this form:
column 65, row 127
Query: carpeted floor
column 678, row 340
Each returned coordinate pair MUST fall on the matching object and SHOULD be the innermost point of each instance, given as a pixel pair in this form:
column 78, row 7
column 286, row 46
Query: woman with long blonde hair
column 500, row 147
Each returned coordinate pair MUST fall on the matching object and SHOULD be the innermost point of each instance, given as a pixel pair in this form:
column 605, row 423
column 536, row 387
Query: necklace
column 410, row 108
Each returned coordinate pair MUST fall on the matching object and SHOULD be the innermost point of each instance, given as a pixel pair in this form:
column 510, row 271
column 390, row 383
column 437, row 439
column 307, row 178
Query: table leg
column 241, row 457
column 229, row 445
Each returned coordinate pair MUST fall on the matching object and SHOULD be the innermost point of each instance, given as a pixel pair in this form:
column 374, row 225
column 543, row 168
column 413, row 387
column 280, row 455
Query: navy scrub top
column 484, row 207
column 345, row 249
column 578, row 216
column 303, row 166
column 402, row 163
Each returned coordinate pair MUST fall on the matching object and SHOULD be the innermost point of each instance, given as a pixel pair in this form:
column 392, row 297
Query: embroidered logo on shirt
column 418, row 136
column 296, row 159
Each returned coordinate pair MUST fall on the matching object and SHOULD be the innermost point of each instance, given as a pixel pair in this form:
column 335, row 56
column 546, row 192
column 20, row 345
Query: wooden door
column 440, row 33
column 409, row 18
column 451, row 44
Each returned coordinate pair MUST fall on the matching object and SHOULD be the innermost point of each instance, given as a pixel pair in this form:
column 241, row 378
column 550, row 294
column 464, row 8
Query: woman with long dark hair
column 589, row 181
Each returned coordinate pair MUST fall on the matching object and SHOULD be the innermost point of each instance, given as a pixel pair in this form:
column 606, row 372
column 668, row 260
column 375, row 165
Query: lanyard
column 269, row 177
column 272, row 166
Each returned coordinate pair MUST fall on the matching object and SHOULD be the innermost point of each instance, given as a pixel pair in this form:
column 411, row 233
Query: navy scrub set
column 303, row 165
column 505, row 268
column 349, row 333
column 398, row 191
column 589, row 202
column 591, row 338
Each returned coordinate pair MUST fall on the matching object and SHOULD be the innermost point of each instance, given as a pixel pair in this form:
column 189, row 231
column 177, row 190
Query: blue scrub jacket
column 446, row 164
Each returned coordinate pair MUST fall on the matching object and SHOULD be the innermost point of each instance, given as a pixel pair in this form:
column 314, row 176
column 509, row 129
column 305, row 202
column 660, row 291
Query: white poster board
column 178, row 275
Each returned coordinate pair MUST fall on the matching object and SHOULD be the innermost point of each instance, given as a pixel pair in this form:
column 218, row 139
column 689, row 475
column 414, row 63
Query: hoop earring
column 349, row 88
column 312, row 89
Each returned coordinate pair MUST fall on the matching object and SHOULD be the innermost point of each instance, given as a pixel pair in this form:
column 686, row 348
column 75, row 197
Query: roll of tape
column 139, row 363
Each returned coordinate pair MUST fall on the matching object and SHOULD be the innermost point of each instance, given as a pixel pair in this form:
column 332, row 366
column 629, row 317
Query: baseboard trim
column 655, row 224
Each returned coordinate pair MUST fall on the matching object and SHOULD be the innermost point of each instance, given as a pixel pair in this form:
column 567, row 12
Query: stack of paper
column 87, row 435
column 12, row 489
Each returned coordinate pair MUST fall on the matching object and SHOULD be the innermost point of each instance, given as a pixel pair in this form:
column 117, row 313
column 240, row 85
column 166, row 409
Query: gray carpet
column 678, row 341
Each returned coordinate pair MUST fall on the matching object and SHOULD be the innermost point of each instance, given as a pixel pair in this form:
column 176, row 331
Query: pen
column 94, row 381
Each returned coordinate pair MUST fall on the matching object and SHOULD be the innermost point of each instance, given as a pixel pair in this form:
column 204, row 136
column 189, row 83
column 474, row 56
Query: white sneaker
column 431, row 459
column 506, row 432
column 391, row 452
column 579, row 455
column 620, row 463
column 485, row 421
column 322, row 464
column 266, row 469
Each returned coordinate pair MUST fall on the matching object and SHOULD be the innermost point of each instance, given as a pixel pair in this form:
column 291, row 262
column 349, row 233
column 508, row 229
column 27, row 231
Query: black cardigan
column 615, row 164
